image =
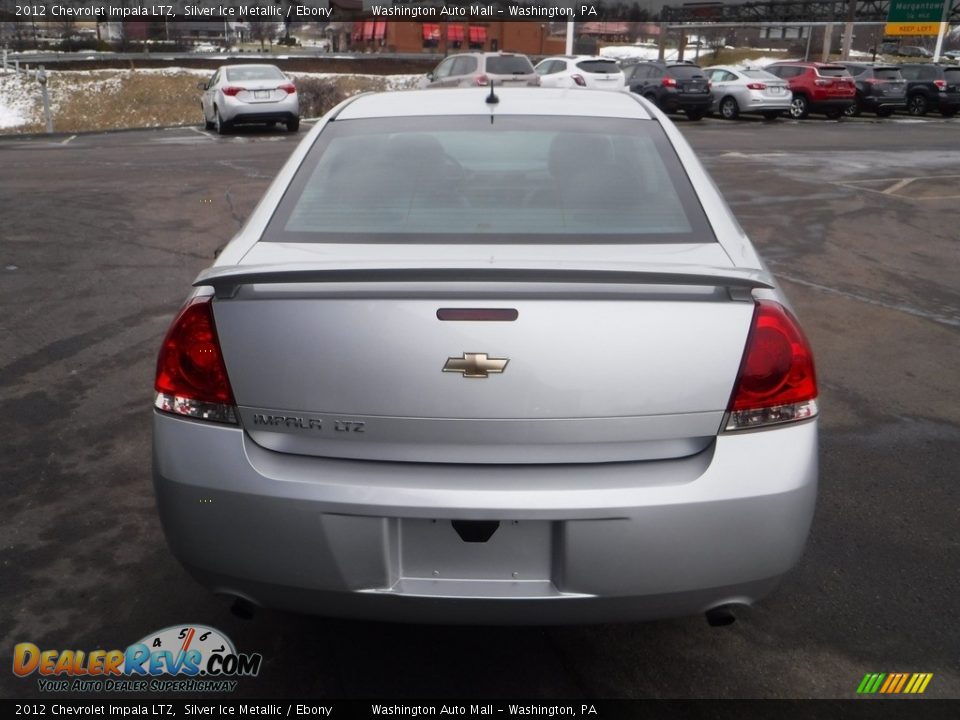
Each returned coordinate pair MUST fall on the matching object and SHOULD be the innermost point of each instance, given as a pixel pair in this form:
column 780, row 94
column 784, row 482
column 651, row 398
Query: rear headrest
column 571, row 152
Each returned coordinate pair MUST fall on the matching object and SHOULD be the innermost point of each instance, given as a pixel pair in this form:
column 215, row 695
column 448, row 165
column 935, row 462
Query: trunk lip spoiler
column 226, row 280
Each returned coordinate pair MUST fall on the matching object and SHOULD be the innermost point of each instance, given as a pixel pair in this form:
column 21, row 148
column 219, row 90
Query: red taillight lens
column 668, row 82
column 191, row 376
column 942, row 84
column 288, row 88
column 756, row 86
column 231, row 90
column 578, row 79
column 482, row 80
column 777, row 382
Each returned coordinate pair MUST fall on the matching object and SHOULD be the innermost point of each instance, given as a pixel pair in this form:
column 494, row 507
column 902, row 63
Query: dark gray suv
column 932, row 87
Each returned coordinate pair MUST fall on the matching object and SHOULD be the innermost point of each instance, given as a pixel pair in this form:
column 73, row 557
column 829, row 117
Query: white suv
column 586, row 71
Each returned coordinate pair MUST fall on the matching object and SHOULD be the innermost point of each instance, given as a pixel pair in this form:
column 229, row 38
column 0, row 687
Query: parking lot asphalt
column 102, row 235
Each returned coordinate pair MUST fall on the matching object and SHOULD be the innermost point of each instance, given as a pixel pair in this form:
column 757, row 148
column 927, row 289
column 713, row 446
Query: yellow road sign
column 914, row 28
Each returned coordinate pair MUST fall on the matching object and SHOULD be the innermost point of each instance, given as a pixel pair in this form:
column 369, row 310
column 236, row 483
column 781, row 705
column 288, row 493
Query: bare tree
column 261, row 30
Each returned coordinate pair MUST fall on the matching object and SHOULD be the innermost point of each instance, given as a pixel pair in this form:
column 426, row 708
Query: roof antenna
column 492, row 99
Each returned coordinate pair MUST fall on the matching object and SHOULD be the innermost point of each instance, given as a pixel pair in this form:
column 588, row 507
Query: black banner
column 867, row 709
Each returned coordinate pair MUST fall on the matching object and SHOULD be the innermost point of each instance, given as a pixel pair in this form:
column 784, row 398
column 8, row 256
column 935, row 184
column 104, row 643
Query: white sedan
column 243, row 94
column 488, row 358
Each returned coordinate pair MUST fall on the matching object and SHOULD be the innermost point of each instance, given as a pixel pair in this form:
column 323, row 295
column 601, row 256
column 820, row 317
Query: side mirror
column 201, row 86
column 431, row 77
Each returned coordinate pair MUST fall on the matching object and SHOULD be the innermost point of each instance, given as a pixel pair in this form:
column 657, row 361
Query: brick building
column 445, row 37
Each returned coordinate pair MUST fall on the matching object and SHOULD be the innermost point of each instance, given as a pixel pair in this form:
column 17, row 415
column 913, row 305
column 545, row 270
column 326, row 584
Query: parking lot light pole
column 569, row 48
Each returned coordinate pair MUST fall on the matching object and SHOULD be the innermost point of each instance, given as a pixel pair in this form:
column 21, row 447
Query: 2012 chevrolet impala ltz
column 488, row 356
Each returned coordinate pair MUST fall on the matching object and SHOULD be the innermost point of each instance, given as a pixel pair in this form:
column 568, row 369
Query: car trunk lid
column 582, row 362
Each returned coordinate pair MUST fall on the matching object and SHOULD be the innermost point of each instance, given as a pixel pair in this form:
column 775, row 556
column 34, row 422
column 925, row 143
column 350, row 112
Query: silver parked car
column 480, row 68
column 243, row 94
column 586, row 71
column 737, row 90
column 488, row 362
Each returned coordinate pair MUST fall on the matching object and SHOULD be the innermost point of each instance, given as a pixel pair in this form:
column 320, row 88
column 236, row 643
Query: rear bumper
column 237, row 111
column 831, row 105
column 873, row 102
column 671, row 102
column 576, row 543
column 762, row 104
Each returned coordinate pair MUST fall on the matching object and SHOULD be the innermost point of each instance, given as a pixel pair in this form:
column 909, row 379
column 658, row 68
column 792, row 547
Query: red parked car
column 817, row 87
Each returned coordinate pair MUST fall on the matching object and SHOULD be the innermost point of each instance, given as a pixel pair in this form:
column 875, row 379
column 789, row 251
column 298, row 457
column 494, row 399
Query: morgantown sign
column 916, row 17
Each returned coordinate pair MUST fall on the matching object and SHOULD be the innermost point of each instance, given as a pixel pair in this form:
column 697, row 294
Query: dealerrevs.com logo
column 180, row 658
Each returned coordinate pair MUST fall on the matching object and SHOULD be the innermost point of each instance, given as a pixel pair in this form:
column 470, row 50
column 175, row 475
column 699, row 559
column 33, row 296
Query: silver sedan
column 243, row 94
column 483, row 359
column 737, row 90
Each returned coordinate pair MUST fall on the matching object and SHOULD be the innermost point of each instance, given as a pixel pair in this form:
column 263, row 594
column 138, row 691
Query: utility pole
column 848, row 30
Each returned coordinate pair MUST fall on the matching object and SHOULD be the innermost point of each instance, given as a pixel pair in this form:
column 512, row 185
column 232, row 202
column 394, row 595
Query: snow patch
column 18, row 97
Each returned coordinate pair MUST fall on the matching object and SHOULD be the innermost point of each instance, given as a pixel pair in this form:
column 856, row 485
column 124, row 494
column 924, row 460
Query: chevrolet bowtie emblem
column 475, row 365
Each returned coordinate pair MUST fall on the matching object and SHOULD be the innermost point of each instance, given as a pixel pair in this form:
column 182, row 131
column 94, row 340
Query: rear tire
column 799, row 108
column 222, row 126
column 917, row 105
column 729, row 109
column 854, row 110
column 293, row 125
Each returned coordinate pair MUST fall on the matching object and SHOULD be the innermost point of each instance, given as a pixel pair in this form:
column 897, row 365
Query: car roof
column 249, row 65
column 513, row 101
column 580, row 57
column 804, row 63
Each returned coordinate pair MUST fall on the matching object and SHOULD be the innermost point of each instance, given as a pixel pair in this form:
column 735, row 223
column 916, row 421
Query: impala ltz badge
column 475, row 365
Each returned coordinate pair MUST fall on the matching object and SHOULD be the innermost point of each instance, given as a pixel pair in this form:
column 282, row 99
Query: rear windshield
column 509, row 65
column 759, row 74
column 601, row 67
column 685, row 72
column 239, row 74
column 832, row 71
column 887, row 74
column 467, row 180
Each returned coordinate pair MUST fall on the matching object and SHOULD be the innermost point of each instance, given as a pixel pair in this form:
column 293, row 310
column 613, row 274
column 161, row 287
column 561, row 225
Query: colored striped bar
column 894, row 683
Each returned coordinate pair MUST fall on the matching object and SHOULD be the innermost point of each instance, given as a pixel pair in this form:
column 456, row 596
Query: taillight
column 941, row 85
column 578, row 79
column 482, row 80
column 756, row 86
column 668, row 82
column 777, row 382
column 231, row 90
column 821, row 82
column 191, row 376
column 288, row 88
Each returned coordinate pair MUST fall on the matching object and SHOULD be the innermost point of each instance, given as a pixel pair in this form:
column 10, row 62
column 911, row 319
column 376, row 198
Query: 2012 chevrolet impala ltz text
column 488, row 356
